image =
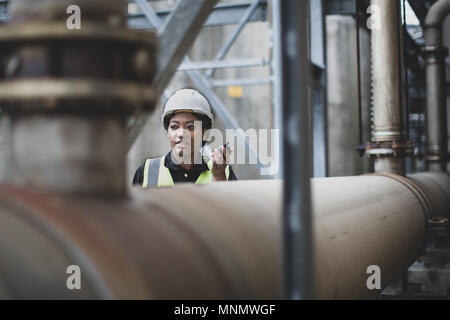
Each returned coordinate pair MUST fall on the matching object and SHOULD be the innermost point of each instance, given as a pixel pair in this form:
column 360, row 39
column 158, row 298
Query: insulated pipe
column 386, row 73
column 436, row 146
column 220, row 241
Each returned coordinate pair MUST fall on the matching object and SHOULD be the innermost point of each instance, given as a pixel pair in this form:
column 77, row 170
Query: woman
column 185, row 162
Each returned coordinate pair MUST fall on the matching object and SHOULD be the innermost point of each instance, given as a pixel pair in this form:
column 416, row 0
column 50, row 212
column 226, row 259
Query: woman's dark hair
column 206, row 122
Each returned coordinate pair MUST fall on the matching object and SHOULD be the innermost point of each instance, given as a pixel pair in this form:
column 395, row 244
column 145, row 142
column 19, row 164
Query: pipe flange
column 57, row 31
column 421, row 195
column 438, row 224
column 381, row 136
column 435, row 157
column 393, row 149
column 47, row 66
column 433, row 53
column 54, row 95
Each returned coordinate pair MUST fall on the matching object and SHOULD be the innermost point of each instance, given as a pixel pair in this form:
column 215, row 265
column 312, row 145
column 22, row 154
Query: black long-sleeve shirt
column 178, row 173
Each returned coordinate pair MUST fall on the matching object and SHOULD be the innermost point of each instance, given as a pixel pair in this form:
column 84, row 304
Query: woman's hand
column 219, row 158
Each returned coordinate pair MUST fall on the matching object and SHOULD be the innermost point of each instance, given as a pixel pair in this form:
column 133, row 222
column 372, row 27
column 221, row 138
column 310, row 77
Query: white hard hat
column 187, row 100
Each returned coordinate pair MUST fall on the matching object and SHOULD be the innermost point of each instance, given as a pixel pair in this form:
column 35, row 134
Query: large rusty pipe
column 436, row 124
column 387, row 101
column 186, row 242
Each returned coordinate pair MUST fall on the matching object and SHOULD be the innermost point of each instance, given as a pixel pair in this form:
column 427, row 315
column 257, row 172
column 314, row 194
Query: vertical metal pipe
column 386, row 62
column 435, row 118
column 436, row 146
column 297, row 227
column 387, row 87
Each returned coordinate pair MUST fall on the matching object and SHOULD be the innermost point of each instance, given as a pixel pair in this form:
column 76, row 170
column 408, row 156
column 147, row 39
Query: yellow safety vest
column 156, row 174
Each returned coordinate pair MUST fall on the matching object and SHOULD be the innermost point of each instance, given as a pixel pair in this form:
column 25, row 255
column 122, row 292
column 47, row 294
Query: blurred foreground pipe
column 297, row 251
column 186, row 242
column 67, row 92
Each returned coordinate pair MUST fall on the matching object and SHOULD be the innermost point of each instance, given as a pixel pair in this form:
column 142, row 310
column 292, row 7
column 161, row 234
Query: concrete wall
column 343, row 118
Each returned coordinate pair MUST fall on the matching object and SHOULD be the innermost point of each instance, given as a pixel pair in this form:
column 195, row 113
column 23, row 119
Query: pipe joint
column 434, row 54
column 435, row 153
column 392, row 149
column 437, row 224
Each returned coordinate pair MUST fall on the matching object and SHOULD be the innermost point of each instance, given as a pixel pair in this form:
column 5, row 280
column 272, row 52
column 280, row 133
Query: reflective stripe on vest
column 163, row 177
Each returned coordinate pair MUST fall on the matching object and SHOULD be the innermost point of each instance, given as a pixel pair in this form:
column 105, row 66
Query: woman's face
column 182, row 134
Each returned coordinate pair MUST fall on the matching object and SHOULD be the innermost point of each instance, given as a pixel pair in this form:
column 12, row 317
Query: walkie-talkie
column 206, row 150
column 226, row 146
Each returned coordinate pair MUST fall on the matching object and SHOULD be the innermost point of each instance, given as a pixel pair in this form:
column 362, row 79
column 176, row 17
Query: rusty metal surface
column 186, row 242
column 139, row 250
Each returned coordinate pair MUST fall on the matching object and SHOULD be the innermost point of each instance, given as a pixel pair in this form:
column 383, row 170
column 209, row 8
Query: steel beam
column 223, row 14
column 177, row 36
column 232, row 63
column 237, row 31
column 241, row 82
